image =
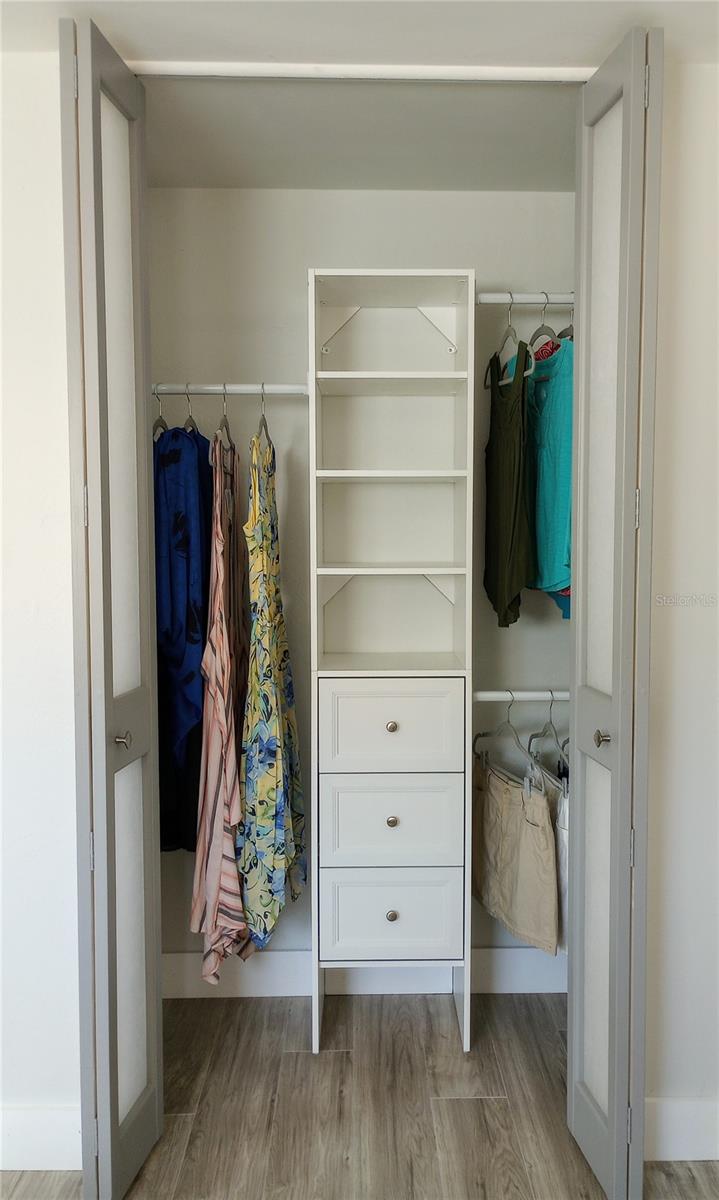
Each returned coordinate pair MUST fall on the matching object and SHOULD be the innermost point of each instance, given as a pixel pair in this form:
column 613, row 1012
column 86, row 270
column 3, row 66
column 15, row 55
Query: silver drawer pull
column 393, row 822
column 124, row 739
column 392, row 915
column 391, row 727
column 601, row 738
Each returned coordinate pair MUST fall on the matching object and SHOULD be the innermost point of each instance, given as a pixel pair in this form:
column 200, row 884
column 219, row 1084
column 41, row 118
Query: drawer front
column 391, row 820
column 391, row 725
column 358, row 907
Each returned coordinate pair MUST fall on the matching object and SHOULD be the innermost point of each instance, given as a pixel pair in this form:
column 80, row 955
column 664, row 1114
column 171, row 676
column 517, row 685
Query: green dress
column 509, row 551
column 270, row 837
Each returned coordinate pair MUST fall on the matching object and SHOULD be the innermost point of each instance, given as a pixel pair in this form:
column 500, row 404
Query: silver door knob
column 124, row 739
column 393, row 822
column 392, row 915
column 601, row 738
column 391, row 727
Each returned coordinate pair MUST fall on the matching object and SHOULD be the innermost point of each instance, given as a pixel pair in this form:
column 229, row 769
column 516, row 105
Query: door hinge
column 629, row 1126
column 95, row 1138
column 85, row 506
column 631, row 847
column 646, row 86
column 75, row 75
column 92, row 850
column 637, row 501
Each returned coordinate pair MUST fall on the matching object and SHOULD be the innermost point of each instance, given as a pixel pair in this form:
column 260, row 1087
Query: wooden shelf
column 390, row 383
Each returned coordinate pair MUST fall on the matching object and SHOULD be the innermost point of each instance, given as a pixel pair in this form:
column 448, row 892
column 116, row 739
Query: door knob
column 601, row 738
column 392, row 915
column 391, row 727
column 124, row 739
column 393, row 822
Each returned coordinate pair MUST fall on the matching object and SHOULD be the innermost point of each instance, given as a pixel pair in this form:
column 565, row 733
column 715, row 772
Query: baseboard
column 272, row 973
column 504, row 969
column 289, row 973
column 681, row 1128
column 40, row 1139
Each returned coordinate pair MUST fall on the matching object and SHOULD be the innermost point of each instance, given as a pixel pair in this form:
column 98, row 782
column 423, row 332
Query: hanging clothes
column 549, row 410
column 217, row 909
column 510, row 562
column 514, row 856
column 183, row 491
column 270, row 838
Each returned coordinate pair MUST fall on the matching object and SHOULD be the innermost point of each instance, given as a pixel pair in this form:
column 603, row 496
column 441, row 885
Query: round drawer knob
column 393, row 822
column 391, row 727
column 601, row 738
column 392, row 915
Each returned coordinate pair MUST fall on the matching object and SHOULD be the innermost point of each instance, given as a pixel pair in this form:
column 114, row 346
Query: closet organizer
column 391, row 435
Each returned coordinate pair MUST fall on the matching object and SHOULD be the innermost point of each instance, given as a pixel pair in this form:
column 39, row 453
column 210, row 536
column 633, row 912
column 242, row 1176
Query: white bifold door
column 617, row 211
column 103, row 175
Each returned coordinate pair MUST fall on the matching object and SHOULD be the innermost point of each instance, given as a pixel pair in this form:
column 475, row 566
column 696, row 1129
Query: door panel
column 108, row 166
column 610, row 216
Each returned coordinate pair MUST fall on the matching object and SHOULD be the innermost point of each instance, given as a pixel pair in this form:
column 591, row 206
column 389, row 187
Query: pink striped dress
column 217, row 910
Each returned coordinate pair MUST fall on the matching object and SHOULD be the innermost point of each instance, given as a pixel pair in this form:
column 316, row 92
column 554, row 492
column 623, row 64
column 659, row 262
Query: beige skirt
column 514, row 857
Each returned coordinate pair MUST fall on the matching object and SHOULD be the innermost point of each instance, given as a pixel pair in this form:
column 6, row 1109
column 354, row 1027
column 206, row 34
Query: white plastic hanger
column 506, row 729
column 510, row 334
column 549, row 731
column 160, row 425
column 543, row 330
column 224, row 425
column 263, row 420
column 190, row 425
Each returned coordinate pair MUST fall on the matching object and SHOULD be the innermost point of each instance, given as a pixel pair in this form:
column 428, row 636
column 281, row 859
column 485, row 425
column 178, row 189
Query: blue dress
column 183, row 491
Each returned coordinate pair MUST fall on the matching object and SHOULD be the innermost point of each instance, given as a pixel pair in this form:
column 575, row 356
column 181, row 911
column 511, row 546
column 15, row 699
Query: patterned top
column 216, row 893
column 270, row 837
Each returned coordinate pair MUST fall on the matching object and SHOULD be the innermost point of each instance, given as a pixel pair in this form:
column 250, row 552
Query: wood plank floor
column 390, row 1110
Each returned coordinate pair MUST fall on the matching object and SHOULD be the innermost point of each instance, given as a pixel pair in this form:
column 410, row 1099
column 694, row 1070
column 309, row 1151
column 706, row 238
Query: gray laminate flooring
column 390, row 1110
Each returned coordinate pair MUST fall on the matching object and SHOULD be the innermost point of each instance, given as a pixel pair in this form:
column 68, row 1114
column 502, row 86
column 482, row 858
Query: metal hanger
column 543, row 330
column 510, row 334
column 190, row 425
column 568, row 331
column 549, row 731
column 224, row 425
column 263, row 420
column 506, row 729
column 160, row 425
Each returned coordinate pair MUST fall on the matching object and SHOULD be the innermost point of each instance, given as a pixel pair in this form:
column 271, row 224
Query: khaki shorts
column 514, row 858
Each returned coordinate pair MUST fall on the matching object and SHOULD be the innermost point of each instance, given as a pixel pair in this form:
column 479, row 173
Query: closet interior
column 339, row 255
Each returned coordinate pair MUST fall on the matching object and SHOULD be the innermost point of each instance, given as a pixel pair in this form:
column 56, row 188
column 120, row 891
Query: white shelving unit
column 391, row 402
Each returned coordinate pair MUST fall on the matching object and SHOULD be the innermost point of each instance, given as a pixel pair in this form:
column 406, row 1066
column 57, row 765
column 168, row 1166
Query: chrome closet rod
column 505, row 696
column 535, row 299
column 230, row 389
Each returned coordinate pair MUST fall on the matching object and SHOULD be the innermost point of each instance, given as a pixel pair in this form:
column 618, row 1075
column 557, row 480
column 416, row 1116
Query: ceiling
column 363, row 135
column 504, row 32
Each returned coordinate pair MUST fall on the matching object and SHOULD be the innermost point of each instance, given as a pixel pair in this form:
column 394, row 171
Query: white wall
column 683, row 922
column 228, row 275
column 40, row 1038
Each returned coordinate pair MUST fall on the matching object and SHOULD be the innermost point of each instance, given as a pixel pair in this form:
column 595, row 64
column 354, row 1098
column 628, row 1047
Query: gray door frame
column 113, row 1151
column 626, row 714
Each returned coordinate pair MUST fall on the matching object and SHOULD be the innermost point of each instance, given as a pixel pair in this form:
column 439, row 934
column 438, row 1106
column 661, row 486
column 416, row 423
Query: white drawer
column 391, row 725
column 391, row 820
column 357, row 903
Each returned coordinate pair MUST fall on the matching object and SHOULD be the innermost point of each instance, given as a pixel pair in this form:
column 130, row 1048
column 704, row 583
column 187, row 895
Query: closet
column 361, row 311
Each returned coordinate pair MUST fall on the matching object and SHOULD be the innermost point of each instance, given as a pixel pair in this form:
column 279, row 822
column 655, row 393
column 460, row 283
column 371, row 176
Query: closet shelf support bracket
column 345, row 323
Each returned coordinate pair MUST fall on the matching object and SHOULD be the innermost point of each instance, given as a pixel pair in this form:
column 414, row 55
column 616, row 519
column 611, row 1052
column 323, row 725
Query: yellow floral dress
column 269, row 842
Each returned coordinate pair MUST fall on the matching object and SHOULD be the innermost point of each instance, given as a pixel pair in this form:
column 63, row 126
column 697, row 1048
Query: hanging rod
column 535, row 299
column 505, row 696
column 229, row 389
